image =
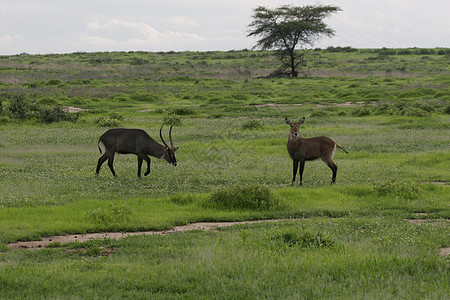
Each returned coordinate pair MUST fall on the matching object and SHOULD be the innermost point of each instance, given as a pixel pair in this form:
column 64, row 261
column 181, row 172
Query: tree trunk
column 294, row 73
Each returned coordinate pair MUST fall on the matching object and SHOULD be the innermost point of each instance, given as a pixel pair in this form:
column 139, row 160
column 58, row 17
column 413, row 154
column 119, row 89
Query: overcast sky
column 66, row 26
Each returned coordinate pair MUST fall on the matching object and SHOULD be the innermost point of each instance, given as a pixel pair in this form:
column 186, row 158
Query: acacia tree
column 288, row 27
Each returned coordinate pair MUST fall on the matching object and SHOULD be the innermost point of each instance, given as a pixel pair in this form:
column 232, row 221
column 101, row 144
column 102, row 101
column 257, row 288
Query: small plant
column 305, row 239
column 252, row 125
column 244, row 197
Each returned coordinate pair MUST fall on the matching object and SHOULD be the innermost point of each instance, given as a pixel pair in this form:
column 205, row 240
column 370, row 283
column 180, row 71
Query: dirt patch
column 346, row 104
column 429, row 221
column 146, row 110
column 445, row 251
column 73, row 109
column 62, row 239
column 274, row 105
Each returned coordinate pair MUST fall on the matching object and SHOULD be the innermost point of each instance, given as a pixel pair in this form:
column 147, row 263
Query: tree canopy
column 287, row 27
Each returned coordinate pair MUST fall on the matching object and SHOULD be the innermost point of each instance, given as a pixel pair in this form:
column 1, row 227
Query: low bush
column 244, row 197
column 182, row 111
column 113, row 120
column 172, row 120
column 21, row 108
column 56, row 114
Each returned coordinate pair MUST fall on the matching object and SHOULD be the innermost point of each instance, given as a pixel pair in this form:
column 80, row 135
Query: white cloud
column 50, row 26
column 117, row 34
column 183, row 21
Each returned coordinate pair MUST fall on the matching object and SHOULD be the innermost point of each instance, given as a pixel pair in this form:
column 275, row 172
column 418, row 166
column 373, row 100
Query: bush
column 18, row 107
column 113, row 120
column 172, row 120
column 56, row 82
column 107, row 122
column 144, row 97
column 252, row 125
column 182, row 111
column 56, row 114
column 361, row 111
column 244, row 197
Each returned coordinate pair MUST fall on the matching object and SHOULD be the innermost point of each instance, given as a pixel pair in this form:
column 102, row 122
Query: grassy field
column 378, row 233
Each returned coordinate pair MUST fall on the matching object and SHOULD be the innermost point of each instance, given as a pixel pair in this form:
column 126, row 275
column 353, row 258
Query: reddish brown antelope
column 302, row 150
column 134, row 141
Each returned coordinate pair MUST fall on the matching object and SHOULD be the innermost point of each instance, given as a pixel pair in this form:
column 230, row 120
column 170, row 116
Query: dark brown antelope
column 134, row 141
column 302, row 150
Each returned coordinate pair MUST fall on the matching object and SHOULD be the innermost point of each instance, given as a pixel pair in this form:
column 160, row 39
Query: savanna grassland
column 381, row 232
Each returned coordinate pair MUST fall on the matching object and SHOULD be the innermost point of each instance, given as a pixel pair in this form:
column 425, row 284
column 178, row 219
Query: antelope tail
column 341, row 148
column 98, row 145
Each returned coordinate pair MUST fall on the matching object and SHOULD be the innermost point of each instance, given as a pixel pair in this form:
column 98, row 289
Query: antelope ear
column 175, row 149
column 287, row 121
column 302, row 120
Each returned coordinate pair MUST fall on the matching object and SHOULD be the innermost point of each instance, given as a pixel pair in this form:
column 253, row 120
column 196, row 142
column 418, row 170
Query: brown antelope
column 302, row 150
column 134, row 141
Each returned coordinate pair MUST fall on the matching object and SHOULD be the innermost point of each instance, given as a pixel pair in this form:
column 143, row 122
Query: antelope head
column 294, row 127
column 169, row 153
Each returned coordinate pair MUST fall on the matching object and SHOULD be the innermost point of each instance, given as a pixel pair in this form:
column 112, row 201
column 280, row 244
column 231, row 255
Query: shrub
column 107, row 122
column 182, row 111
column 172, row 120
column 244, row 197
column 56, row 114
column 18, row 107
column 144, row 97
column 361, row 111
column 113, row 120
column 252, row 125
column 54, row 82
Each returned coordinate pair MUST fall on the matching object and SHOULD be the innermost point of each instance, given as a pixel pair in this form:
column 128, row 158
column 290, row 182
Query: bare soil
column 62, row 239
column 73, row 109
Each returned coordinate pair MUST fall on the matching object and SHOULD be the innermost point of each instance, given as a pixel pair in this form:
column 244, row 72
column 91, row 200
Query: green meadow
column 381, row 232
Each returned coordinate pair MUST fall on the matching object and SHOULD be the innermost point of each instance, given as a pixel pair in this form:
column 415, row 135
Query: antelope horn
column 160, row 135
column 170, row 137
column 287, row 121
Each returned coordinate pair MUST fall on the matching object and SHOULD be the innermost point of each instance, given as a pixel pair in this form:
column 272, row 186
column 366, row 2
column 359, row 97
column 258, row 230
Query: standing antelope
column 302, row 150
column 134, row 141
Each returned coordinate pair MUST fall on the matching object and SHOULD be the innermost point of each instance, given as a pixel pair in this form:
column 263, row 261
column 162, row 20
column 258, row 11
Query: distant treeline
column 391, row 51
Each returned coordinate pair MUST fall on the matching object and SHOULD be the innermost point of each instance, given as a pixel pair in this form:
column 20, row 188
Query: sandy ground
column 184, row 228
column 118, row 235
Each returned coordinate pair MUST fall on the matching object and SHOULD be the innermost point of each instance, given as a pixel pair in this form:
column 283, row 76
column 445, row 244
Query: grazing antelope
column 134, row 141
column 302, row 150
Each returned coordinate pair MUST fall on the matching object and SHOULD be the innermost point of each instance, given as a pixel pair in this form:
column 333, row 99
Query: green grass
column 388, row 108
